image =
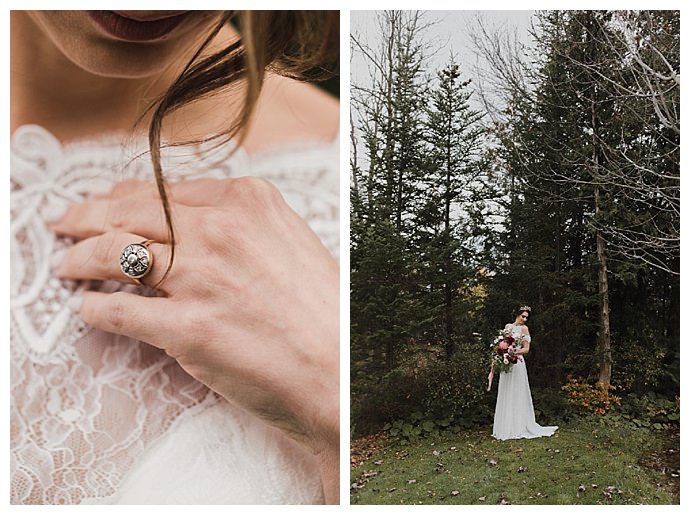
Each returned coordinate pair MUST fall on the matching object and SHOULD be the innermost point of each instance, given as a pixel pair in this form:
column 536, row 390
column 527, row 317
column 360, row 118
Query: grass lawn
column 588, row 461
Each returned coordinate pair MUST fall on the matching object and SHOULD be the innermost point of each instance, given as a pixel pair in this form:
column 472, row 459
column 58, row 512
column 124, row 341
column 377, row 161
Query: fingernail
column 74, row 303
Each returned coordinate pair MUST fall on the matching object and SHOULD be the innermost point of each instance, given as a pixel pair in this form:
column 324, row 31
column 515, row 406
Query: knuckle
column 117, row 313
column 116, row 217
column 105, row 252
column 77, row 218
column 254, row 189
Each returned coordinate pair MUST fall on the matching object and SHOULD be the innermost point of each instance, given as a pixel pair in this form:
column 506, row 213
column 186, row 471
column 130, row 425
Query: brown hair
column 521, row 309
column 303, row 45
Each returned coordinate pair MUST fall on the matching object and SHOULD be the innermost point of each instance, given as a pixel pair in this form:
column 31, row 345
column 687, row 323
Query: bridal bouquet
column 503, row 351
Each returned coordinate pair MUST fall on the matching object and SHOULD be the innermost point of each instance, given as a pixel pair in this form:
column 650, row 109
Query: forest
column 549, row 179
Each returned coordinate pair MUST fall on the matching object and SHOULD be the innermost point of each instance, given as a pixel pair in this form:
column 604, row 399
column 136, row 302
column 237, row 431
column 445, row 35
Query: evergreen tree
column 451, row 186
column 389, row 114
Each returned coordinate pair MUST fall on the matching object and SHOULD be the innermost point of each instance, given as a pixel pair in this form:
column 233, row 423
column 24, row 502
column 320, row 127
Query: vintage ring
column 136, row 260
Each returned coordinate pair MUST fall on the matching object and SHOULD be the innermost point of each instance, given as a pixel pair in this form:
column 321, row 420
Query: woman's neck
column 47, row 89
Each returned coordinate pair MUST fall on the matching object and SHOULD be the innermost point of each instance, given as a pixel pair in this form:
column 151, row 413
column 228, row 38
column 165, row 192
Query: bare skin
column 521, row 321
column 262, row 315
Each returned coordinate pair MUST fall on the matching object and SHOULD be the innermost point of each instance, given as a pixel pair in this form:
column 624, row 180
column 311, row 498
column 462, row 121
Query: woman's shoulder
column 290, row 112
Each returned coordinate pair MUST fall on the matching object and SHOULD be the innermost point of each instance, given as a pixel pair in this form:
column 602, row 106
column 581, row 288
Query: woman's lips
column 138, row 27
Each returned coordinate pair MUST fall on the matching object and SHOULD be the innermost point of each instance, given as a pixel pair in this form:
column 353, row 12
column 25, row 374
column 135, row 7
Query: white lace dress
column 100, row 418
column 514, row 416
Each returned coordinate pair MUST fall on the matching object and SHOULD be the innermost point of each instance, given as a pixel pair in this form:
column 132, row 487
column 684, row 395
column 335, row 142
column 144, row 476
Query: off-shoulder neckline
column 138, row 144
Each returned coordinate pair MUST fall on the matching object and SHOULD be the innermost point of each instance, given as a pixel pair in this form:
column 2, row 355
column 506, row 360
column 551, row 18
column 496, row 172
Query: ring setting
column 136, row 260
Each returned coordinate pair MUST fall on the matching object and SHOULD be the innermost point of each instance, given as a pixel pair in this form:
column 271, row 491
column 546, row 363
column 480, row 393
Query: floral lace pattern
column 91, row 410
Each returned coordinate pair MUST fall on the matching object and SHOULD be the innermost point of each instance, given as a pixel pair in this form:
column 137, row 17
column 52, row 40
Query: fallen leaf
column 454, row 493
column 522, row 469
column 436, row 453
column 581, row 488
column 493, row 462
column 379, row 462
column 594, row 485
column 411, row 481
column 392, row 489
column 482, row 498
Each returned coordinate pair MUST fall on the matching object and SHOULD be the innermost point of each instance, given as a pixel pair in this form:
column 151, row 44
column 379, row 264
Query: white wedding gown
column 98, row 418
column 514, row 417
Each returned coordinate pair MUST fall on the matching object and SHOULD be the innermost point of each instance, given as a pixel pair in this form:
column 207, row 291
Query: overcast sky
column 449, row 34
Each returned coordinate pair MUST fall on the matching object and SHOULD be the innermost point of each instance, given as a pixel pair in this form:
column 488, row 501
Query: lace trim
column 85, row 405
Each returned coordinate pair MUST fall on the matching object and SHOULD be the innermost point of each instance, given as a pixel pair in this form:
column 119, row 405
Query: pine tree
column 451, row 183
column 389, row 117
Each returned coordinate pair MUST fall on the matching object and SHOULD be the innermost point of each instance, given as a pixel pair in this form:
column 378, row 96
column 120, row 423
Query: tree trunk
column 450, row 344
column 390, row 356
column 604, row 342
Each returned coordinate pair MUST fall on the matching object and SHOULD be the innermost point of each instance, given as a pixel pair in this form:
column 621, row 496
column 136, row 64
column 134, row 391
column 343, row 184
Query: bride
column 514, row 416
column 174, row 318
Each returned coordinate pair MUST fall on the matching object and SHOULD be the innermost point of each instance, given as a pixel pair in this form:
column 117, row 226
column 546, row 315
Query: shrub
column 651, row 411
column 378, row 401
column 645, row 371
column 596, row 399
column 454, row 387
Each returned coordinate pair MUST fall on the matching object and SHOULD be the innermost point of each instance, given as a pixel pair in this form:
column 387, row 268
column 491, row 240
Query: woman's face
column 124, row 44
column 523, row 317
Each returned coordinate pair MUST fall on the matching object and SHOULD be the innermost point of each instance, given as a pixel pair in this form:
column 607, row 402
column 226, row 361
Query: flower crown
column 525, row 308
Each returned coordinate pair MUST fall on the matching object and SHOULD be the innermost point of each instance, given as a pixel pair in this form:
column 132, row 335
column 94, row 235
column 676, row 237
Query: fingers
column 131, row 214
column 129, row 314
column 98, row 258
column 134, row 206
column 196, row 192
column 134, row 188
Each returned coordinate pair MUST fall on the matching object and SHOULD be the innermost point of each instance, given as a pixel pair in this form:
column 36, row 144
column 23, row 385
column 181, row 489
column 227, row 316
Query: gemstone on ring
column 136, row 260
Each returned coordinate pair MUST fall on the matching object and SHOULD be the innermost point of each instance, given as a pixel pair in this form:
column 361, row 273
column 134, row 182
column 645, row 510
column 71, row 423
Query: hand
column 249, row 308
